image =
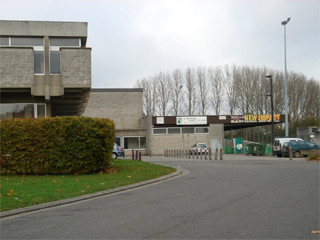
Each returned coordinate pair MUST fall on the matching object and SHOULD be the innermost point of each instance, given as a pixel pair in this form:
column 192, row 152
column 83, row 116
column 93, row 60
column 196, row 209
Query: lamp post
column 284, row 23
column 272, row 120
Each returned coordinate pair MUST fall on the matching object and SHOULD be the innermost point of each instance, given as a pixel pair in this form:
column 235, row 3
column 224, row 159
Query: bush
column 57, row 145
column 315, row 155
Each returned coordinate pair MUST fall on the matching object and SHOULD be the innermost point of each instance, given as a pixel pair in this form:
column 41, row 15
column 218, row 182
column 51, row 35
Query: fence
column 192, row 154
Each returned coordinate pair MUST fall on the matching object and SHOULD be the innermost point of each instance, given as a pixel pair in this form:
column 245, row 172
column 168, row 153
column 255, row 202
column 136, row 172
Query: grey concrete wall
column 125, row 108
column 16, row 67
column 76, row 67
column 43, row 28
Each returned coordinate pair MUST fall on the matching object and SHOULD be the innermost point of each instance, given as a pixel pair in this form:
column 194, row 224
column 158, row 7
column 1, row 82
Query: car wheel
column 297, row 154
column 114, row 156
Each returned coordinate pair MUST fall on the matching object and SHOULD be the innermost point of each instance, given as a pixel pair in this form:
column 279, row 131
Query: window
column 65, row 42
column 117, row 141
column 27, row 41
column 4, row 41
column 181, row 130
column 159, row 131
column 38, row 62
column 134, row 142
column 173, row 130
column 202, row 130
column 54, row 62
column 187, row 130
column 22, row 110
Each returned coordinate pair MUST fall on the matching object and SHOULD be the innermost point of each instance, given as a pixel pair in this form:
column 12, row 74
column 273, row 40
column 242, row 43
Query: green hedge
column 57, row 145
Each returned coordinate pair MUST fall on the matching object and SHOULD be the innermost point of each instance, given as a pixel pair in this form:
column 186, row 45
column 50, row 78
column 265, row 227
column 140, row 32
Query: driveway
column 238, row 198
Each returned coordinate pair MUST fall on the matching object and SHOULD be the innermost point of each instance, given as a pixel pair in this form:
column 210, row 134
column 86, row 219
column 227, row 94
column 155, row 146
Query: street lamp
column 284, row 23
column 272, row 121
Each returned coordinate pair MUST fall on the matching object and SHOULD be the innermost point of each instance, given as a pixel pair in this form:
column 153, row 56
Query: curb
column 89, row 196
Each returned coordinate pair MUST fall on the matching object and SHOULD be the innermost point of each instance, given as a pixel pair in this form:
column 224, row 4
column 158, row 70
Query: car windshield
column 202, row 145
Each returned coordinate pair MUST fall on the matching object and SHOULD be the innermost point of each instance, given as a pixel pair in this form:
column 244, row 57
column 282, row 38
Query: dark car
column 299, row 148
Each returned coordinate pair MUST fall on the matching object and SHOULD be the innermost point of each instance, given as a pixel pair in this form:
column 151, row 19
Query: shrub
column 315, row 155
column 57, row 145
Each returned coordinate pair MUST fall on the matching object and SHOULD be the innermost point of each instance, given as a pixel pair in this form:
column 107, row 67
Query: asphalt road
column 254, row 198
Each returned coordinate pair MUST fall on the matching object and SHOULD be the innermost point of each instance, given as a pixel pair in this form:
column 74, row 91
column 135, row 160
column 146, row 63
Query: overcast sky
column 138, row 38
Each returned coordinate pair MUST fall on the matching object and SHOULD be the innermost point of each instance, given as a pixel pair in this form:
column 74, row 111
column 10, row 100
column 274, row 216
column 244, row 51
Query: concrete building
column 153, row 134
column 45, row 68
column 125, row 108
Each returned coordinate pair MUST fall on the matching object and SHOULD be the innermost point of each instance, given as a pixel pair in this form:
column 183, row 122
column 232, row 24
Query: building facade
column 45, row 68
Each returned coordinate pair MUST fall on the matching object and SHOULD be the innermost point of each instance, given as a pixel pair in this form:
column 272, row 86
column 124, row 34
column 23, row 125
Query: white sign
column 191, row 120
column 160, row 120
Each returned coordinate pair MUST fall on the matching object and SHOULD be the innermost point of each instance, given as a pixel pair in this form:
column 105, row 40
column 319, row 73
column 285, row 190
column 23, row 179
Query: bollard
column 201, row 153
column 189, row 154
column 210, row 152
column 193, row 154
column 290, row 153
column 206, row 154
column 221, row 154
column 139, row 156
column 132, row 154
column 197, row 154
column 216, row 155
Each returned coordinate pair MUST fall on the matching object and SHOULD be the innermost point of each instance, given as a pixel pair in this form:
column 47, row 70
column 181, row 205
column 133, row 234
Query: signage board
column 160, row 120
column 255, row 118
column 192, row 120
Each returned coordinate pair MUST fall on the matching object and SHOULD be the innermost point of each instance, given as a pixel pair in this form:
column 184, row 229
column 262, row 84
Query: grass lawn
column 25, row 190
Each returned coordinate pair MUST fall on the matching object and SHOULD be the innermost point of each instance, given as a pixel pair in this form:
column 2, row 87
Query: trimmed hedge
column 58, row 145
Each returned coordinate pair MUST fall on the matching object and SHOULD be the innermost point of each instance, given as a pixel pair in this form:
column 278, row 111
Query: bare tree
column 190, row 91
column 202, row 83
column 148, row 103
column 217, row 80
column 230, row 88
column 163, row 92
column 176, row 86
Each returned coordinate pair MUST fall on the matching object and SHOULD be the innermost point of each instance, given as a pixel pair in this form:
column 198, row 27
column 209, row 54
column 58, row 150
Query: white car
column 198, row 148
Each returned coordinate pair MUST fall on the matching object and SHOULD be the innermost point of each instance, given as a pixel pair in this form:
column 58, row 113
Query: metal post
column 290, row 153
column 284, row 23
column 272, row 116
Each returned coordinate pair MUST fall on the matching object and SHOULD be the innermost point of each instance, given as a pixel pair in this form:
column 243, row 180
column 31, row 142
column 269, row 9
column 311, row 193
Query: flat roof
column 230, row 121
column 43, row 28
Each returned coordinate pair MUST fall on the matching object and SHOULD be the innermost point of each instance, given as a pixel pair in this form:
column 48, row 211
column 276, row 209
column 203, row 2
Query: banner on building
column 192, row 120
column 255, row 118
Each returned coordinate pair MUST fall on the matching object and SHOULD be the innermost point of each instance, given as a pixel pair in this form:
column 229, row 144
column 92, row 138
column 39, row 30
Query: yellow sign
column 261, row 118
column 255, row 118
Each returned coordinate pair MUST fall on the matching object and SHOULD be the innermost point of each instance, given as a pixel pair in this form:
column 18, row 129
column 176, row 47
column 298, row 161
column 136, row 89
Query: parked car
column 197, row 148
column 117, row 151
column 299, row 148
column 278, row 144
